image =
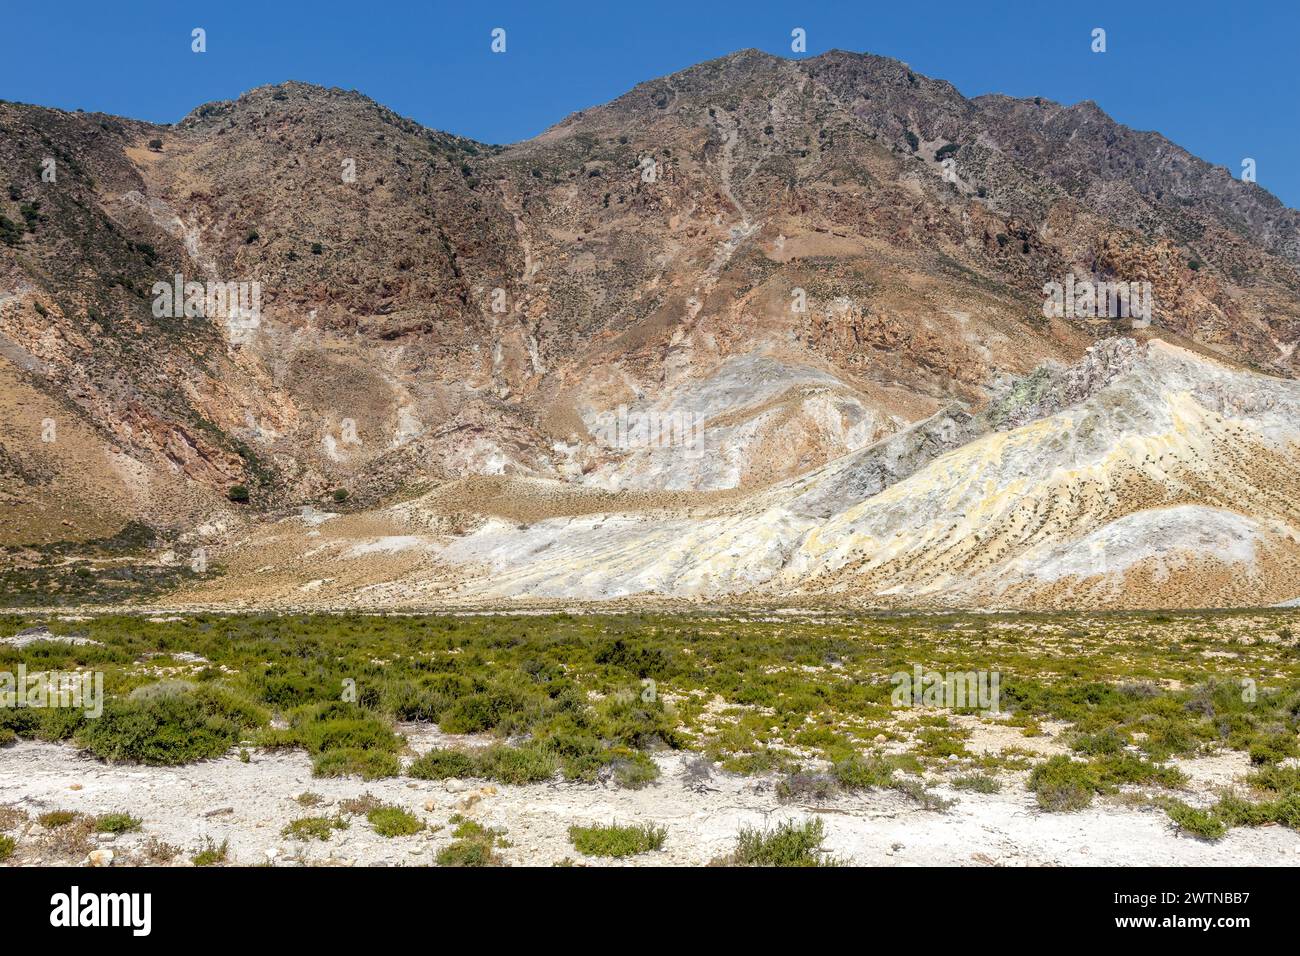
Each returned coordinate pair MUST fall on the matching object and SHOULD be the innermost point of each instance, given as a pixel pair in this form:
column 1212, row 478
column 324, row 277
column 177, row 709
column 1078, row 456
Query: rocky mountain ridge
column 798, row 260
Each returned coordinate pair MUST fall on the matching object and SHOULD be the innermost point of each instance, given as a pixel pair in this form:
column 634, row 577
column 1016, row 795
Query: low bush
column 393, row 822
column 617, row 841
column 350, row 762
column 466, row 853
column 442, row 764
column 1062, row 784
column 1200, row 823
column 861, row 773
column 209, row 854
column 116, row 823
column 791, row 844
column 806, row 788
column 169, row 729
column 56, row 818
column 473, row 846
column 313, row 828
column 977, row 783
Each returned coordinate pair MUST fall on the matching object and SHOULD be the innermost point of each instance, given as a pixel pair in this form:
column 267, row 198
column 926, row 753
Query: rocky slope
column 1169, row 480
column 763, row 293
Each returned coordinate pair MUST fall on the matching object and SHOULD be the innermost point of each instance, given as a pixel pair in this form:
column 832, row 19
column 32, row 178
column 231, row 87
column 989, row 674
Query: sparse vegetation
column 360, row 805
column 116, row 823
column 617, row 841
column 977, row 783
column 173, row 726
column 561, row 694
column 1201, row 823
column 313, row 828
column 159, row 852
column 210, row 853
column 790, row 844
column 1062, row 784
column 12, row 817
column 467, row 853
column 393, row 822
column 56, row 818
column 442, row 764
column 473, row 845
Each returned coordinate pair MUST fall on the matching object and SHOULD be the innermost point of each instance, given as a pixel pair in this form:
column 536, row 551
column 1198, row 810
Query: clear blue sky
column 1218, row 78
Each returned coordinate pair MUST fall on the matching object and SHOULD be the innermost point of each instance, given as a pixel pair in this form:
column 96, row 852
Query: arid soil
column 247, row 804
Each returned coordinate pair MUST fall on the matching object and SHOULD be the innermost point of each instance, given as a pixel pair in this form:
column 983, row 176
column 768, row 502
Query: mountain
column 762, row 329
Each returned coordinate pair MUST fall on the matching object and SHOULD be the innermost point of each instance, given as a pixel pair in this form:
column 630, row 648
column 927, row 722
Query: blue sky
column 1218, row 78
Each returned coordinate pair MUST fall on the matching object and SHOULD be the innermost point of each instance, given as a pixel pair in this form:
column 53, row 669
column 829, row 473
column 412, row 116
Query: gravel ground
column 249, row 803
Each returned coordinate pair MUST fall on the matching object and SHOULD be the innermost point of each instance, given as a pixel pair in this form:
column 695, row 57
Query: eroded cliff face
column 732, row 282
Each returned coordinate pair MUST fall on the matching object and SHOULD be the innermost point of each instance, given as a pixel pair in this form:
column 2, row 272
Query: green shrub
column 1279, row 781
column 442, row 764
column 347, row 740
column 116, row 823
column 56, row 818
column 806, row 788
column 393, row 822
column 790, row 844
column 617, row 841
column 350, row 762
column 634, row 770
column 516, row 765
column 1273, row 749
column 466, row 853
column 210, row 853
column 1062, row 784
column 171, row 729
column 238, row 494
column 354, row 733
column 977, row 783
column 473, row 846
column 313, row 828
column 860, row 773
column 7, row 846
column 640, row 661
column 1235, row 811
column 1126, row 767
column 11, row 234
column 60, row 723
column 472, row 715
column 1109, row 741
column 1200, row 823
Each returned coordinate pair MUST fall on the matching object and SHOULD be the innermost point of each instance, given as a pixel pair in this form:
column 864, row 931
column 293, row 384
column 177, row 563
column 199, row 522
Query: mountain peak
column 805, row 262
